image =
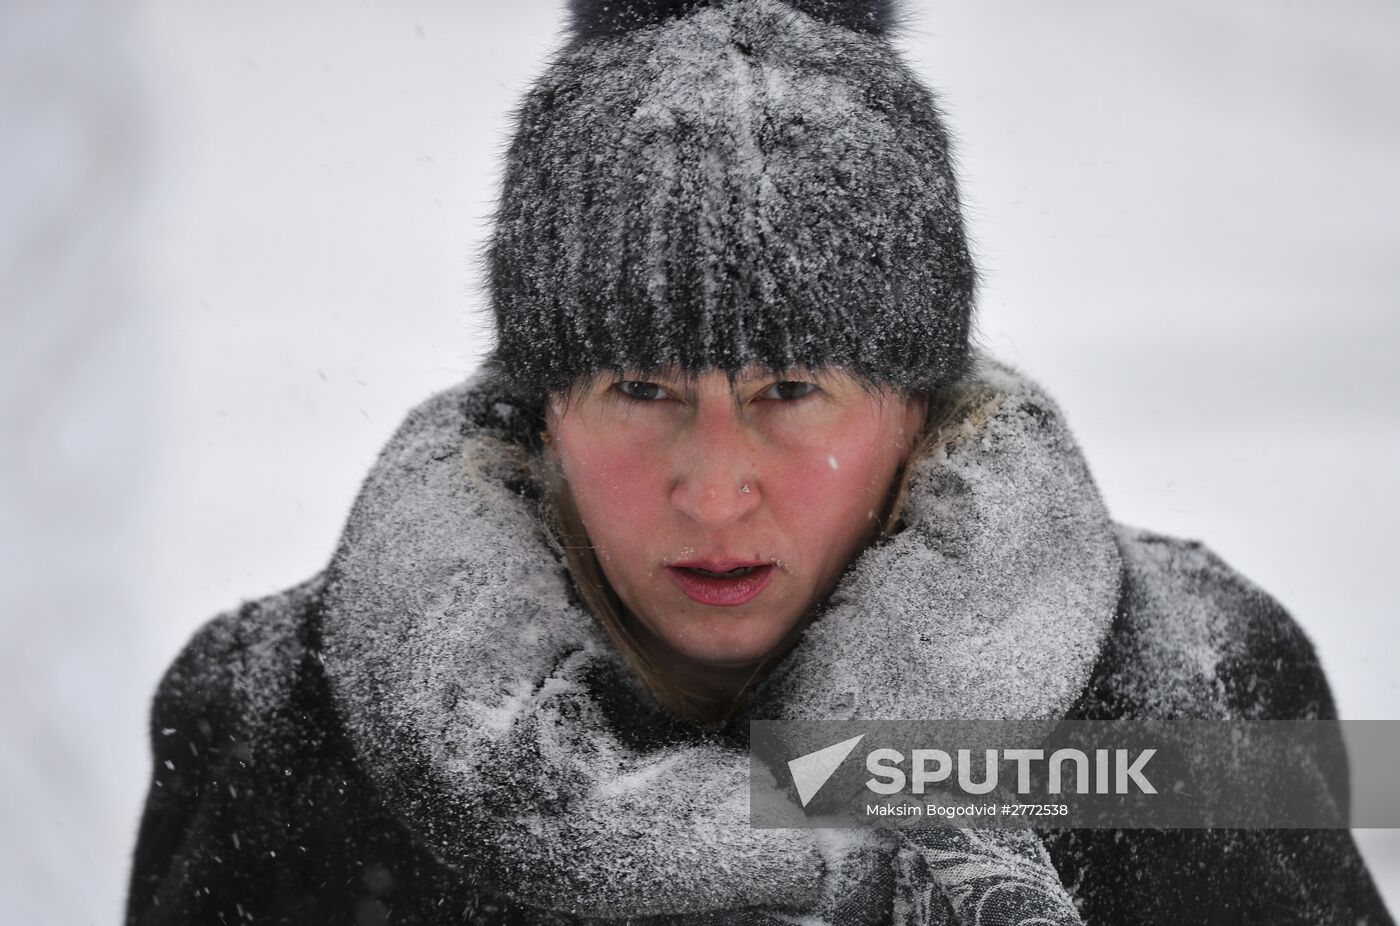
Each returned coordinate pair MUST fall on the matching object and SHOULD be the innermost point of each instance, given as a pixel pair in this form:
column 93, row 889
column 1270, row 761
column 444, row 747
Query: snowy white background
column 236, row 246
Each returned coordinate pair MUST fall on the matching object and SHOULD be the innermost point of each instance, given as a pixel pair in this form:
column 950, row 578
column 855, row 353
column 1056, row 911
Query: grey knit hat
column 717, row 183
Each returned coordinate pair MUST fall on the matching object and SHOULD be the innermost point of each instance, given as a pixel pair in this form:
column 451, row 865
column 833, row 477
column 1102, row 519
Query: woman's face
column 784, row 476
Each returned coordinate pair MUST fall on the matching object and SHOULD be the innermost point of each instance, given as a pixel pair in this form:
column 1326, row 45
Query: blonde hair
column 953, row 414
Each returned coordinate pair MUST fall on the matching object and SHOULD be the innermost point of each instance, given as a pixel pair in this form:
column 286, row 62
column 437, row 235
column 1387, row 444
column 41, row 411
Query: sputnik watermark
column 1113, row 771
column 1070, row 774
column 1116, row 771
column 1127, row 770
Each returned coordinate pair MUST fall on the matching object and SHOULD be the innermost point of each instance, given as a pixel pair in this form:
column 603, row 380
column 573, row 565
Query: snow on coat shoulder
column 1199, row 639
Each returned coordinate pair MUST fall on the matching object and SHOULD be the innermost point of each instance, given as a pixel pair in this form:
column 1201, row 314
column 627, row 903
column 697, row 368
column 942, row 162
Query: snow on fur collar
column 501, row 725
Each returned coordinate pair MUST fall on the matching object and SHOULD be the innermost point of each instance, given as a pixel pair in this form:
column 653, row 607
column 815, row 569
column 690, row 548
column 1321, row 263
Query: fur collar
column 501, row 726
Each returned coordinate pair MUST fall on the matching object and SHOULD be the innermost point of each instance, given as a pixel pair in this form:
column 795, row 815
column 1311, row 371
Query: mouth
column 726, row 587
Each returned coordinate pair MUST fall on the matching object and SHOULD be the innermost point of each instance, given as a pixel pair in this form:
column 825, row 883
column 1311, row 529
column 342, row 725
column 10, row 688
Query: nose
column 714, row 461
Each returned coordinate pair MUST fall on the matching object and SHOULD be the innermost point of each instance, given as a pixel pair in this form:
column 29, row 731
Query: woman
column 733, row 457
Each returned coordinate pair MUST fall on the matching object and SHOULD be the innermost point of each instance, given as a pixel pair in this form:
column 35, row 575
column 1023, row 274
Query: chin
column 728, row 658
column 737, row 650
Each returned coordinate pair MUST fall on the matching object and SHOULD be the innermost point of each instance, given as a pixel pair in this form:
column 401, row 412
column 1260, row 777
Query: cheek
column 821, row 491
column 619, row 495
column 830, row 492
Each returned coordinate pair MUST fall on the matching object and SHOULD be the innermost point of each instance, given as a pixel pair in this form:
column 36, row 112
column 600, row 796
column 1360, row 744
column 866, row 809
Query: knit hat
column 710, row 184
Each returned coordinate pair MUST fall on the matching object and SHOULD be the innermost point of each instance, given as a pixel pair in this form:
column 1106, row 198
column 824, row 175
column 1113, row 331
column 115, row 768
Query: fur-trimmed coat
column 434, row 730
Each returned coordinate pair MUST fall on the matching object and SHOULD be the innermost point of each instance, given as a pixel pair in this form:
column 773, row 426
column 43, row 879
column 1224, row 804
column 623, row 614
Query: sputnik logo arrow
column 811, row 771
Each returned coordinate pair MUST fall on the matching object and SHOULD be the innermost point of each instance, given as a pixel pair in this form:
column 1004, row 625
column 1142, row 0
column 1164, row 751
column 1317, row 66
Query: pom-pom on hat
column 710, row 184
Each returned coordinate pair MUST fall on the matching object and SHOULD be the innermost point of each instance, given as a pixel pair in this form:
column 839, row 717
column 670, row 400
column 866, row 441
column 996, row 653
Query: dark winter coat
column 433, row 730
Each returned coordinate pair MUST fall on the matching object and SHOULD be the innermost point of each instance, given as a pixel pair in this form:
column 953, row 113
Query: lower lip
column 723, row 592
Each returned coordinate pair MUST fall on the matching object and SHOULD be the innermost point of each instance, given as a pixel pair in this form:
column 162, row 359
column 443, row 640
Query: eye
column 789, row 390
column 640, row 390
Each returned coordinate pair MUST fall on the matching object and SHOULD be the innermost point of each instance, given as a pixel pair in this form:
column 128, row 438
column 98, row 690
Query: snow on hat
column 718, row 183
